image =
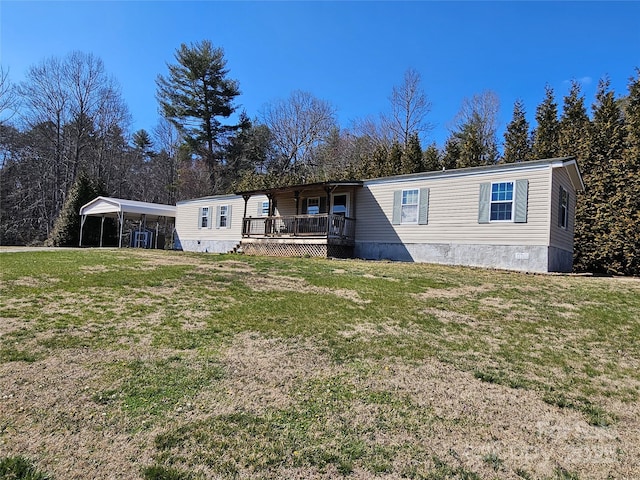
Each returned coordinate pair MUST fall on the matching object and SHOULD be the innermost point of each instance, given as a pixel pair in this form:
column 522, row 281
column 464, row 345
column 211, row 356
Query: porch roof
column 301, row 187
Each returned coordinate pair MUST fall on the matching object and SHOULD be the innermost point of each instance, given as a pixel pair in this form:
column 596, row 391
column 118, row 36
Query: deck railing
column 323, row 225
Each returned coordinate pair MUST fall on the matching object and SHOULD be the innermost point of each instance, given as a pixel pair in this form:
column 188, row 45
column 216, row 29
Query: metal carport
column 120, row 209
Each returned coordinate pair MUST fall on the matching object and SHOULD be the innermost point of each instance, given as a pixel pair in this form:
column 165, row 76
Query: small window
column 264, row 211
column 501, row 201
column 204, row 217
column 224, row 214
column 313, row 206
column 563, row 214
column 409, row 206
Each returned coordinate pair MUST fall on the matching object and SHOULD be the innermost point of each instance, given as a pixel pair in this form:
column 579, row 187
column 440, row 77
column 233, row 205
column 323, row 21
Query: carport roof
column 114, row 207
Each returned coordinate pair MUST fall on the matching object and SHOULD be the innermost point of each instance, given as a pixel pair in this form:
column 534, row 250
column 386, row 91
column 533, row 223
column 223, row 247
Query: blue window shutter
column 304, row 206
column 423, row 207
column 521, row 200
column 199, row 218
column 397, row 207
column 217, row 216
column 229, row 216
column 484, row 203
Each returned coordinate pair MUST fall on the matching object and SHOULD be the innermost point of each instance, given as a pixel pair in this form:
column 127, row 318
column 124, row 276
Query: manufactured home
column 510, row 216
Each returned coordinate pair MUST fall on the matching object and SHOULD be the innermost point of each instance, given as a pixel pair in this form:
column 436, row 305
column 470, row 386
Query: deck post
column 246, row 200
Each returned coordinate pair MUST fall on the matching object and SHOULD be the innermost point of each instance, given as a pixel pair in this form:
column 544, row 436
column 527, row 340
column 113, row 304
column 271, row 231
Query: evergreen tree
column 195, row 95
column 517, row 143
column 375, row 165
column 412, row 156
column 431, row 159
column 143, row 144
column 599, row 210
column 394, row 160
column 66, row 230
column 451, row 153
column 476, row 130
column 574, row 126
column 545, row 140
column 628, row 231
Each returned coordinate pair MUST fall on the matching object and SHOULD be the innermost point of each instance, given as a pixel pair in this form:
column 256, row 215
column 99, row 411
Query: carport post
column 101, row 230
column 121, row 220
column 82, row 220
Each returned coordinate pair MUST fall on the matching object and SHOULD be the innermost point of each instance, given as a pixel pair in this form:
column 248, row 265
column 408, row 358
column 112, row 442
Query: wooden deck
column 323, row 235
column 327, row 226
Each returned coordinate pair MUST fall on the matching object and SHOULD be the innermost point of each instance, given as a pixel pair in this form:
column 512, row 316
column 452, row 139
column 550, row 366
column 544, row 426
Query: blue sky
column 348, row 53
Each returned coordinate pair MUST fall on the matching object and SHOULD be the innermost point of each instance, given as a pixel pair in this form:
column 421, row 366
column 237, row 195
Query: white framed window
column 223, row 218
column 409, row 213
column 264, row 208
column 313, row 206
column 502, row 202
column 340, row 204
column 563, row 209
column 204, row 217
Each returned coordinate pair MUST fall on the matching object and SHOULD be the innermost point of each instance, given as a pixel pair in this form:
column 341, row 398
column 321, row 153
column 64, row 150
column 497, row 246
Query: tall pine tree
column 431, row 159
column 545, row 139
column 195, row 95
column 412, row 155
column 517, row 143
column 574, row 126
column 451, row 153
column 597, row 214
column 624, row 238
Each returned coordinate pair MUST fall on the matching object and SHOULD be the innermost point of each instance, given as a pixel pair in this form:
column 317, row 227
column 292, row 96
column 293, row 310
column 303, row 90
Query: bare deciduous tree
column 74, row 114
column 8, row 97
column 409, row 109
column 298, row 125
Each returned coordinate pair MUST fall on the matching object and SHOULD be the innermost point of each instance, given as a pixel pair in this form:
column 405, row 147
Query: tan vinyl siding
column 453, row 210
column 286, row 202
column 286, row 205
column 188, row 219
column 562, row 237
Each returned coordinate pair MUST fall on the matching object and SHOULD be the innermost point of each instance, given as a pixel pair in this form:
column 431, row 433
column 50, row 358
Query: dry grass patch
column 271, row 283
column 48, row 413
column 447, row 293
column 367, row 331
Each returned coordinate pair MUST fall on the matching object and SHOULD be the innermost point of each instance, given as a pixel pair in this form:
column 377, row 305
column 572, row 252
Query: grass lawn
column 137, row 364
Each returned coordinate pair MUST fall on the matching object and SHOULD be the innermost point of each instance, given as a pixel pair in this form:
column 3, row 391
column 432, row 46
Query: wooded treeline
column 67, row 122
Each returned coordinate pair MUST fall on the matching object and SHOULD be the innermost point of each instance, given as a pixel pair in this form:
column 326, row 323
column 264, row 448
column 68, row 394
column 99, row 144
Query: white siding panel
column 453, row 211
column 187, row 217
